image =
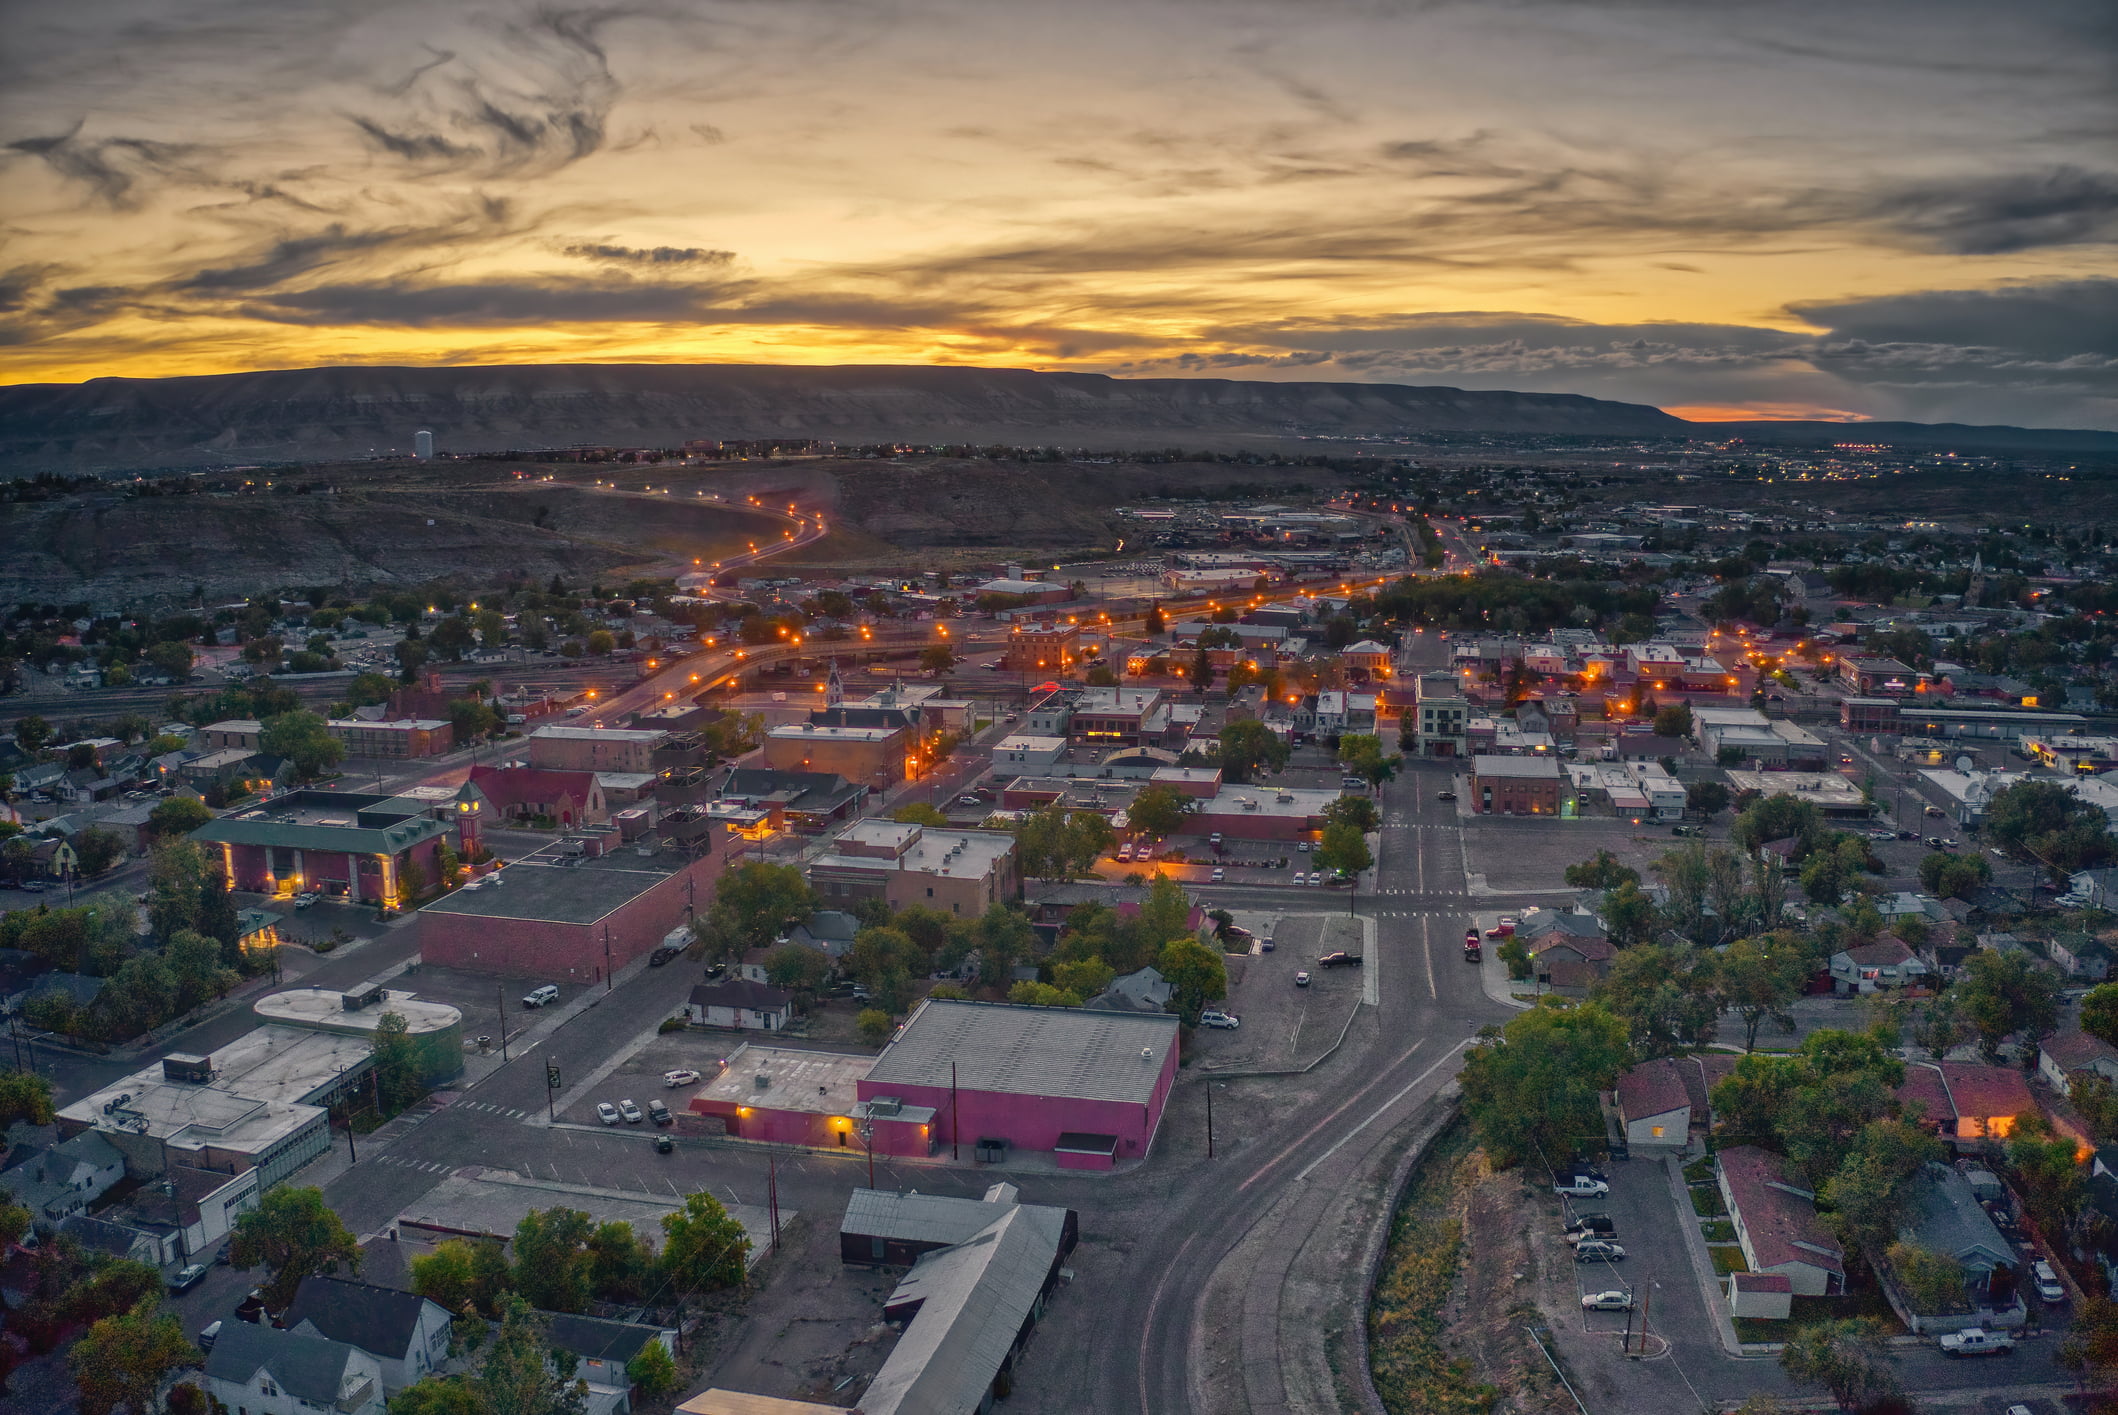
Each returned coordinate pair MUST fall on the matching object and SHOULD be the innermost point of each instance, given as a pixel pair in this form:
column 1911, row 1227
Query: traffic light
column 551, row 1077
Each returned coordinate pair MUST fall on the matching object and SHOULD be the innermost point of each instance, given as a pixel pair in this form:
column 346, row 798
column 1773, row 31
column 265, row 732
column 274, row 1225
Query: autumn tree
column 293, row 1234
column 119, row 1366
column 703, row 1249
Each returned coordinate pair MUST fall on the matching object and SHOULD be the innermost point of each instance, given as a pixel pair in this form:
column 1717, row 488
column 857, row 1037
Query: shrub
column 873, row 1026
column 673, row 1024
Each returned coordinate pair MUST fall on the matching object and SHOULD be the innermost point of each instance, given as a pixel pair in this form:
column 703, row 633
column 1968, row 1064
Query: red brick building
column 1516, row 786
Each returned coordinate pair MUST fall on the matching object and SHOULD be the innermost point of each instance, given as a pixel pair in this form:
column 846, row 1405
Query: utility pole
column 551, row 1091
column 500, row 998
column 772, row 1200
column 352, row 1155
column 610, row 982
column 1209, row 1117
column 953, row 1152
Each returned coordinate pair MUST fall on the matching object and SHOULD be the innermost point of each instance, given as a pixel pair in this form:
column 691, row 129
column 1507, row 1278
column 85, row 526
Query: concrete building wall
column 555, row 951
column 862, row 763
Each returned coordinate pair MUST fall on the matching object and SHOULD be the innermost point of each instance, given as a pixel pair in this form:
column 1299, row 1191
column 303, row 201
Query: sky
column 1881, row 209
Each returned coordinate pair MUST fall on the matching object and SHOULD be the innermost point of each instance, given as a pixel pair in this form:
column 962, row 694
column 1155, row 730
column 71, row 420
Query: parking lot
column 1524, row 853
column 638, row 1076
column 491, row 1007
column 1285, row 1026
column 1657, row 1268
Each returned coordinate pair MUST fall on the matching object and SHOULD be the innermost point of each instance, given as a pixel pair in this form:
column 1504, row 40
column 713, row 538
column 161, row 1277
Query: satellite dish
column 1964, row 764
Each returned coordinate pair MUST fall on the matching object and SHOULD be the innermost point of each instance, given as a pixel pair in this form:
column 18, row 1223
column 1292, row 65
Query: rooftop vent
column 764, row 1082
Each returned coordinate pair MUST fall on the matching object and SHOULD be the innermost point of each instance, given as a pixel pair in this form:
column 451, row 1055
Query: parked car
column 1615, row 1300
column 1301, row 980
column 1214, row 840
column 539, row 997
column 2048, row 1285
column 1977, row 1341
column 1340, row 959
column 1316, row 877
column 664, row 1145
column 1581, row 1186
column 969, row 801
column 1507, row 925
column 659, row 1113
column 661, row 956
column 304, row 899
column 606, row 1112
column 187, row 1277
column 1226, row 1021
column 630, row 1111
column 1594, row 1250
column 1218, row 875
column 1445, row 795
column 1302, row 847
column 682, row 1076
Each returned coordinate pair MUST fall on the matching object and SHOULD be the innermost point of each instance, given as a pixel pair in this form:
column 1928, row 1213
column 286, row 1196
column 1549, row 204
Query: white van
column 538, row 997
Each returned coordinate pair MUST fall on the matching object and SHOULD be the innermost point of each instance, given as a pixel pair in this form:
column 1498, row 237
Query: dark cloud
column 2055, row 320
column 1998, row 214
column 414, row 147
column 653, row 255
column 111, row 168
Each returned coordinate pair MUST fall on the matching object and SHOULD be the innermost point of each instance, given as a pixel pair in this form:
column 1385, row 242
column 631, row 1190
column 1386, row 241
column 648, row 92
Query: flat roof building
column 595, row 748
column 959, row 872
column 355, row 845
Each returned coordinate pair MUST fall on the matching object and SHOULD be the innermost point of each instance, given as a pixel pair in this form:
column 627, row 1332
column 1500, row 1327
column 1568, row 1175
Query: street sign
column 551, row 1078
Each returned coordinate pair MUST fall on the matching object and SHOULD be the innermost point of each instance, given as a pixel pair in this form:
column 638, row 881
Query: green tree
column 1159, row 810
column 1344, row 849
column 1708, row 798
column 370, row 689
column 886, row 961
column 600, row 643
column 1629, row 915
column 218, row 920
column 752, row 903
column 1951, row 876
column 519, row 1376
column 293, row 1234
column 24, row 1096
column 194, row 964
column 1196, row 975
column 619, row 1263
column 1358, row 812
column 1532, row 1086
column 1848, row 1357
column 653, row 1371
column 873, row 1026
column 937, row 659
column 1249, row 746
column 176, row 873
column 1686, row 874
column 177, row 815
column 1933, row 1282
column 1601, row 871
column 1812, row 1104
column 172, row 658
column 32, row 733
column 1083, row 977
column 1868, row 1189
column 1362, row 755
column 798, row 968
column 2008, row 994
column 919, row 813
column 1030, row 993
column 2054, row 1184
column 1779, row 817
column 1200, row 673
column 119, row 1366
column 471, row 720
column 703, row 1249
column 1757, row 978
column 463, row 1272
column 398, row 1079
column 552, row 1265
column 1673, row 721
column 303, row 740
column 2046, row 823
column 1004, row 938
column 98, row 850
column 1663, row 997
column 2099, row 1012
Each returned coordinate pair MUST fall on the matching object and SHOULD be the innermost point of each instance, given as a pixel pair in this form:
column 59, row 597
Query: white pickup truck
column 1975, row 1341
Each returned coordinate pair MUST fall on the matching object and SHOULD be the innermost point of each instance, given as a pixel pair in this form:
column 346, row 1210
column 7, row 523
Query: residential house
column 2065, row 1055
column 1988, row 1100
column 1943, row 1215
column 1775, row 1221
column 2099, row 887
column 1872, row 967
column 740, row 1004
column 408, row 1335
column 1568, row 952
column 1654, row 1105
column 828, row 931
column 567, row 798
column 1143, row 991
column 602, row 1350
column 1768, row 1296
column 259, row 1370
column 61, row 1180
column 2082, row 955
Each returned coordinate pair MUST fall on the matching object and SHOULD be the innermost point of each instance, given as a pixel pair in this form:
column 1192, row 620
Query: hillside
column 310, row 415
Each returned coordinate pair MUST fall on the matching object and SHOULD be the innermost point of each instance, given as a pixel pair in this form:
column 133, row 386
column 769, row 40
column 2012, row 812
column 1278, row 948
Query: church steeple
column 834, row 690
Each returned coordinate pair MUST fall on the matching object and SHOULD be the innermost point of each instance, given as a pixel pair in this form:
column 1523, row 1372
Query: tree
column 398, row 1081
column 1159, row 810
column 919, row 813
column 1344, row 849
column 294, row 1234
column 619, row 1263
column 703, row 1249
column 1532, row 1085
column 1004, row 938
column 123, row 1360
column 1361, row 753
column 519, row 1375
column 1157, row 621
column 886, row 960
column 1200, row 673
column 1030, row 993
column 1685, row 874
column 1779, row 817
column 470, row 720
column 171, row 657
column 463, row 1272
column 178, row 815
column 2054, row 1184
column 2045, row 822
column 1848, row 1357
column 654, row 1371
column 798, row 968
column 1673, row 721
column 97, row 850
column 1247, row 747
column 24, row 1096
column 1601, row 871
column 1757, row 978
column 1083, row 977
column 194, row 964
column 303, row 740
column 1811, row 1104
column 1629, row 915
column 1952, row 876
column 2099, row 1012
column 872, row 1026
column 1708, row 798
column 1868, row 1189
column 1664, row 1000
column 552, row 1265
column 752, row 903
column 1196, row 975
column 31, row 733
column 1358, row 812
column 2006, row 994
column 176, row 873
column 370, row 689
column 1931, row 1281
column 937, row 659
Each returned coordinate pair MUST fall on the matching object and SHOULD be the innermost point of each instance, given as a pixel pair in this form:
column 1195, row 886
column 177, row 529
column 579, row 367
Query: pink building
column 1087, row 1087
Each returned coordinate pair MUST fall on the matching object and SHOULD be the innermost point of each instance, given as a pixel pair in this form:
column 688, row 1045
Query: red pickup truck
column 1473, row 952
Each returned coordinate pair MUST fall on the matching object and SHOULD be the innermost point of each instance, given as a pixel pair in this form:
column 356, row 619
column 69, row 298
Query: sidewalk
column 1492, row 973
column 1702, row 1263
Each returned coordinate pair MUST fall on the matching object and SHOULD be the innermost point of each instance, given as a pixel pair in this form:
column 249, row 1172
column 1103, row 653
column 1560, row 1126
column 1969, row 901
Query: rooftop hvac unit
column 764, row 1082
column 182, row 1066
column 885, row 1106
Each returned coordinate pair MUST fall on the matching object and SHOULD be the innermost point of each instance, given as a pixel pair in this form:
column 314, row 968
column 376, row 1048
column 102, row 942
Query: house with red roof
column 1886, row 963
column 1655, row 1105
column 2068, row 1054
column 1988, row 1099
column 1568, row 963
column 1776, row 1222
column 567, row 798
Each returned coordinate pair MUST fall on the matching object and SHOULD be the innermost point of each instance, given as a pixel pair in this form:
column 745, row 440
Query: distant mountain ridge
column 129, row 424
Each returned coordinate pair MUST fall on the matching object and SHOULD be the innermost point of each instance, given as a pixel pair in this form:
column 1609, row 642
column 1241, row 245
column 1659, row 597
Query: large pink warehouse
column 1088, row 1085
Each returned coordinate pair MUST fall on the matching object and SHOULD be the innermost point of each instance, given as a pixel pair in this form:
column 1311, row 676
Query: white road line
column 1373, row 1115
column 1426, row 947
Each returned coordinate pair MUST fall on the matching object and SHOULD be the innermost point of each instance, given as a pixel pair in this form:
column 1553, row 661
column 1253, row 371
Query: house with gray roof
column 407, row 1334
column 1942, row 1215
column 64, row 1179
column 884, row 1227
column 1144, row 991
column 602, row 1352
column 263, row 1370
